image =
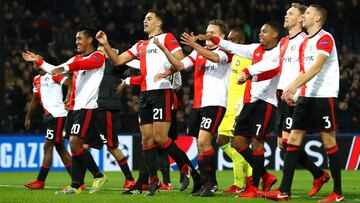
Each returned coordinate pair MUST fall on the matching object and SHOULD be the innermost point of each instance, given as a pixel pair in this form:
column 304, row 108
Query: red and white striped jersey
column 210, row 79
column 88, row 72
column 48, row 88
column 153, row 60
column 290, row 63
column 175, row 78
column 262, row 61
column 326, row 83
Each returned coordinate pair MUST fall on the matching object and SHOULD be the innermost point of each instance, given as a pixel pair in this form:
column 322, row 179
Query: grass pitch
column 12, row 189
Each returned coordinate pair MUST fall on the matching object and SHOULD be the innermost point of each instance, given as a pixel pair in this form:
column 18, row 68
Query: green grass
column 11, row 189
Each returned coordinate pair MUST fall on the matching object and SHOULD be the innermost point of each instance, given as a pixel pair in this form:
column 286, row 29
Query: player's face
column 267, row 35
column 292, row 17
column 213, row 30
column 309, row 17
column 234, row 37
column 82, row 42
column 151, row 22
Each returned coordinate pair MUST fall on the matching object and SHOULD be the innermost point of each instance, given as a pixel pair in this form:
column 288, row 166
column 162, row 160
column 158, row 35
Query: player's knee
column 48, row 146
column 222, row 140
column 160, row 140
column 329, row 143
column 203, row 144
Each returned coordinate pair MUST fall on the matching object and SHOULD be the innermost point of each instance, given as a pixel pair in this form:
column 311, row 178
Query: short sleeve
column 35, row 82
column 224, row 56
column 325, row 45
column 171, row 43
column 60, row 79
column 189, row 61
column 133, row 51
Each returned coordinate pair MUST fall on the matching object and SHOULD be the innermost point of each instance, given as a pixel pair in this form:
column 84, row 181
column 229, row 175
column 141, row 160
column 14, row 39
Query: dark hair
column 89, row 31
column 275, row 26
column 241, row 33
column 159, row 16
column 322, row 11
column 222, row 25
column 300, row 7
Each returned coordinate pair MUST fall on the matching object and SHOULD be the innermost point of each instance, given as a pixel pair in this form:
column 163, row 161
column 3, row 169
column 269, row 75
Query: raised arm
column 116, row 59
column 173, row 59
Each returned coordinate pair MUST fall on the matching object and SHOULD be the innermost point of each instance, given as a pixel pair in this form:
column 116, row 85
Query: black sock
column 202, row 169
column 44, row 170
column 309, row 165
column 258, row 168
column 173, row 150
column 291, row 159
column 90, row 163
column 125, row 169
column 210, row 164
column 164, row 165
column 143, row 176
column 150, row 160
column 68, row 168
column 76, row 171
column 194, row 173
column 335, row 168
column 246, row 152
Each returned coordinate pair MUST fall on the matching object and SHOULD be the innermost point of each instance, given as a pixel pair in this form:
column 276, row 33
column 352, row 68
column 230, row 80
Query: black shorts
column 54, row 128
column 315, row 114
column 173, row 131
column 283, row 118
column 82, row 123
column 105, row 123
column 155, row 105
column 206, row 118
column 255, row 120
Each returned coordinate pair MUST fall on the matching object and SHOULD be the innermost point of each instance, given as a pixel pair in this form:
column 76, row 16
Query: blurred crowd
column 48, row 28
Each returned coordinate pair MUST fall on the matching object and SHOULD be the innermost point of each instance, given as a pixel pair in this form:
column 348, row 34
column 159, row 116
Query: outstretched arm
column 237, row 49
column 38, row 61
column 190, row 40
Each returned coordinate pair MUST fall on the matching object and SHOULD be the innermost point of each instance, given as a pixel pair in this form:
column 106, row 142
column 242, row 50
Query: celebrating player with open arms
column 156, row 98
column 87, row 68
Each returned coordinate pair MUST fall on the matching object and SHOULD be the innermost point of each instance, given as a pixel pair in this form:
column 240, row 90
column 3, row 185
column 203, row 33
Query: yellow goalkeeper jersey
column 235, row 91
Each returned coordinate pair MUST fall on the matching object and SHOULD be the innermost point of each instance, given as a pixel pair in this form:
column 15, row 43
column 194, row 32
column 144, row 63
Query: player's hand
column 280, row 143
column 66, row 104
column 290, row 102
column 120, row 87
column 188, row 39
column 27, row 123
column 160, row 76
column 101, row 37
column 289, row 93
column 242, row 78
column 159, row 44
column 30, row 56
column 203, row 37
column 57, row 71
